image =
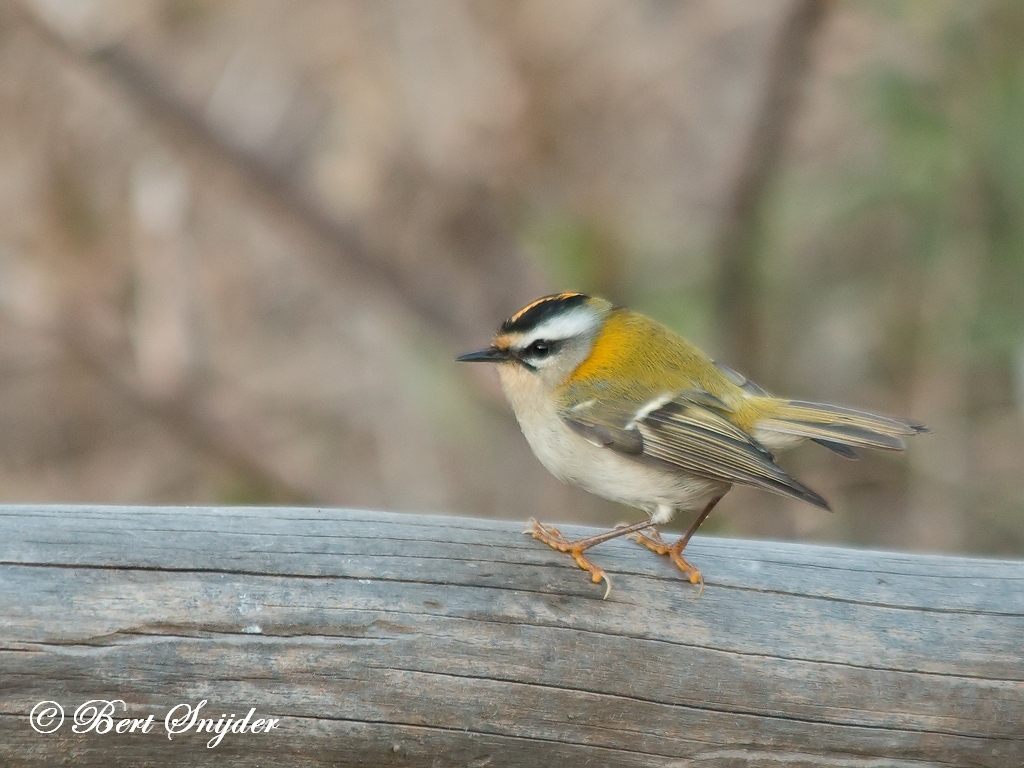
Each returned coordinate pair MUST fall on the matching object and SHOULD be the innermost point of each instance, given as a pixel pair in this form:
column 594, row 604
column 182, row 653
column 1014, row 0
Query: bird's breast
column 600, row 470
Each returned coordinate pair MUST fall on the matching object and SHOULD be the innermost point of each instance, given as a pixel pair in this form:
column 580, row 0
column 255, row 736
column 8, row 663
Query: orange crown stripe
column 532, row 304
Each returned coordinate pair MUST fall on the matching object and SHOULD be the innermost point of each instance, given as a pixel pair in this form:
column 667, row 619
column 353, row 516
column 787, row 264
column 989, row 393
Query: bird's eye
column 539, row 349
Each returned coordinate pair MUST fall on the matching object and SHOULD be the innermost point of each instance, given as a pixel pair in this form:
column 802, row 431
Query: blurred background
column 241, row 242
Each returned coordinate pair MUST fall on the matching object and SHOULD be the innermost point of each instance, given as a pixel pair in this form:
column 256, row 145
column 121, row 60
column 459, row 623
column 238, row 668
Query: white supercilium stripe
column 563, row 326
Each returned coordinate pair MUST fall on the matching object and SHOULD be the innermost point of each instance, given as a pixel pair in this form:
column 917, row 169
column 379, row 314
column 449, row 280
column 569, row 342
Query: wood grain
column 408, row 640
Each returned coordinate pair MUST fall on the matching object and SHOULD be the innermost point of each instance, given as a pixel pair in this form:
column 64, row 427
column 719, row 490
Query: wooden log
column 384, row 639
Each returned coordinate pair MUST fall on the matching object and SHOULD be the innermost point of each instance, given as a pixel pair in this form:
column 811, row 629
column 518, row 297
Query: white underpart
column 649, row 408
column 600, row 470
column 564, row 326
column 662, row 514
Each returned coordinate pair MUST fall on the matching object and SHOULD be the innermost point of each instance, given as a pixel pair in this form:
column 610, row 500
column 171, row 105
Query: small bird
column 618, row 404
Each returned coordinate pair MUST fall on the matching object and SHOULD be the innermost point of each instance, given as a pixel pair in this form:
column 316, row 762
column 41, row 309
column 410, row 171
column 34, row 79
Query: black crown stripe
column 540, row 310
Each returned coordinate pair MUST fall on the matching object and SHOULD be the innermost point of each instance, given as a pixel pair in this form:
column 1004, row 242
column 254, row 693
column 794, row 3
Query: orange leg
column 654, row 542
column 554, row 539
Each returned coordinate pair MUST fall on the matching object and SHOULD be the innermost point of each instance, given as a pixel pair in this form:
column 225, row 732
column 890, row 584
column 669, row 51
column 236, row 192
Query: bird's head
column 548, row 338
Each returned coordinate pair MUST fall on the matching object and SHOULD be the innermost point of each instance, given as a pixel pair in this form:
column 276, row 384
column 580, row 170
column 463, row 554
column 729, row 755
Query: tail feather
column 843, row 450
column 833, row 426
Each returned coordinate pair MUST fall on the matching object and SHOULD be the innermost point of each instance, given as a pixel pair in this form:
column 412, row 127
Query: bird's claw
column 699, row 582
column 546, row 533
column 653, row 540
column 553, row 537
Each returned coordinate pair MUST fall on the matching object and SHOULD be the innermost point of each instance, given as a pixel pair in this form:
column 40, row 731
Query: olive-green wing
column 688, row 432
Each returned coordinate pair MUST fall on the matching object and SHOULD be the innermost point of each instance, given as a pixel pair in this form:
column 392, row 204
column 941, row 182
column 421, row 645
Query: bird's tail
column 839, row 429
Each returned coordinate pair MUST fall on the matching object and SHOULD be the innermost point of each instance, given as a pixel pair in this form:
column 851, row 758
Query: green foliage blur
column 953, row 169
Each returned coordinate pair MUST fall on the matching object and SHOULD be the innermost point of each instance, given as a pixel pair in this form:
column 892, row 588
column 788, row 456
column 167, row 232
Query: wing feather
column 689, row 433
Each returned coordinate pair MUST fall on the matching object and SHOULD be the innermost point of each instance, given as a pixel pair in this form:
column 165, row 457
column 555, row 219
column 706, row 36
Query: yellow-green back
column 636, row 359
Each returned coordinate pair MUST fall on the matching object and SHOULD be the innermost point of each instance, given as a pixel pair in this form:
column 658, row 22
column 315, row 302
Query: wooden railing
column 382, row 639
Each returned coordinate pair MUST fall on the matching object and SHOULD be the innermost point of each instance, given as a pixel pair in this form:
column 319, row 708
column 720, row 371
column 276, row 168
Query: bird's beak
column 489, row 355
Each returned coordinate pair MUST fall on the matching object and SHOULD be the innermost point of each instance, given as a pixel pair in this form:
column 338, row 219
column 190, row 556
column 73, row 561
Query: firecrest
column 620, row 405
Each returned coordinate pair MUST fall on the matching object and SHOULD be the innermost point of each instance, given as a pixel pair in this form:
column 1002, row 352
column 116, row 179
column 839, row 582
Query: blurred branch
column 187, row 130
column 157, row 100
column 737, row 247
column 184, row 416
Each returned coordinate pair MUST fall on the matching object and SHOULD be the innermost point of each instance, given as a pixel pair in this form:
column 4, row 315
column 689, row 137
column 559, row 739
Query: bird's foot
column 651, row 539
column 654, row 542
column 554, row 539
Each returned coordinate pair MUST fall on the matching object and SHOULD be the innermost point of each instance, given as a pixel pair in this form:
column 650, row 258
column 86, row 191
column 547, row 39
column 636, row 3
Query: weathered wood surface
column 384, row 639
